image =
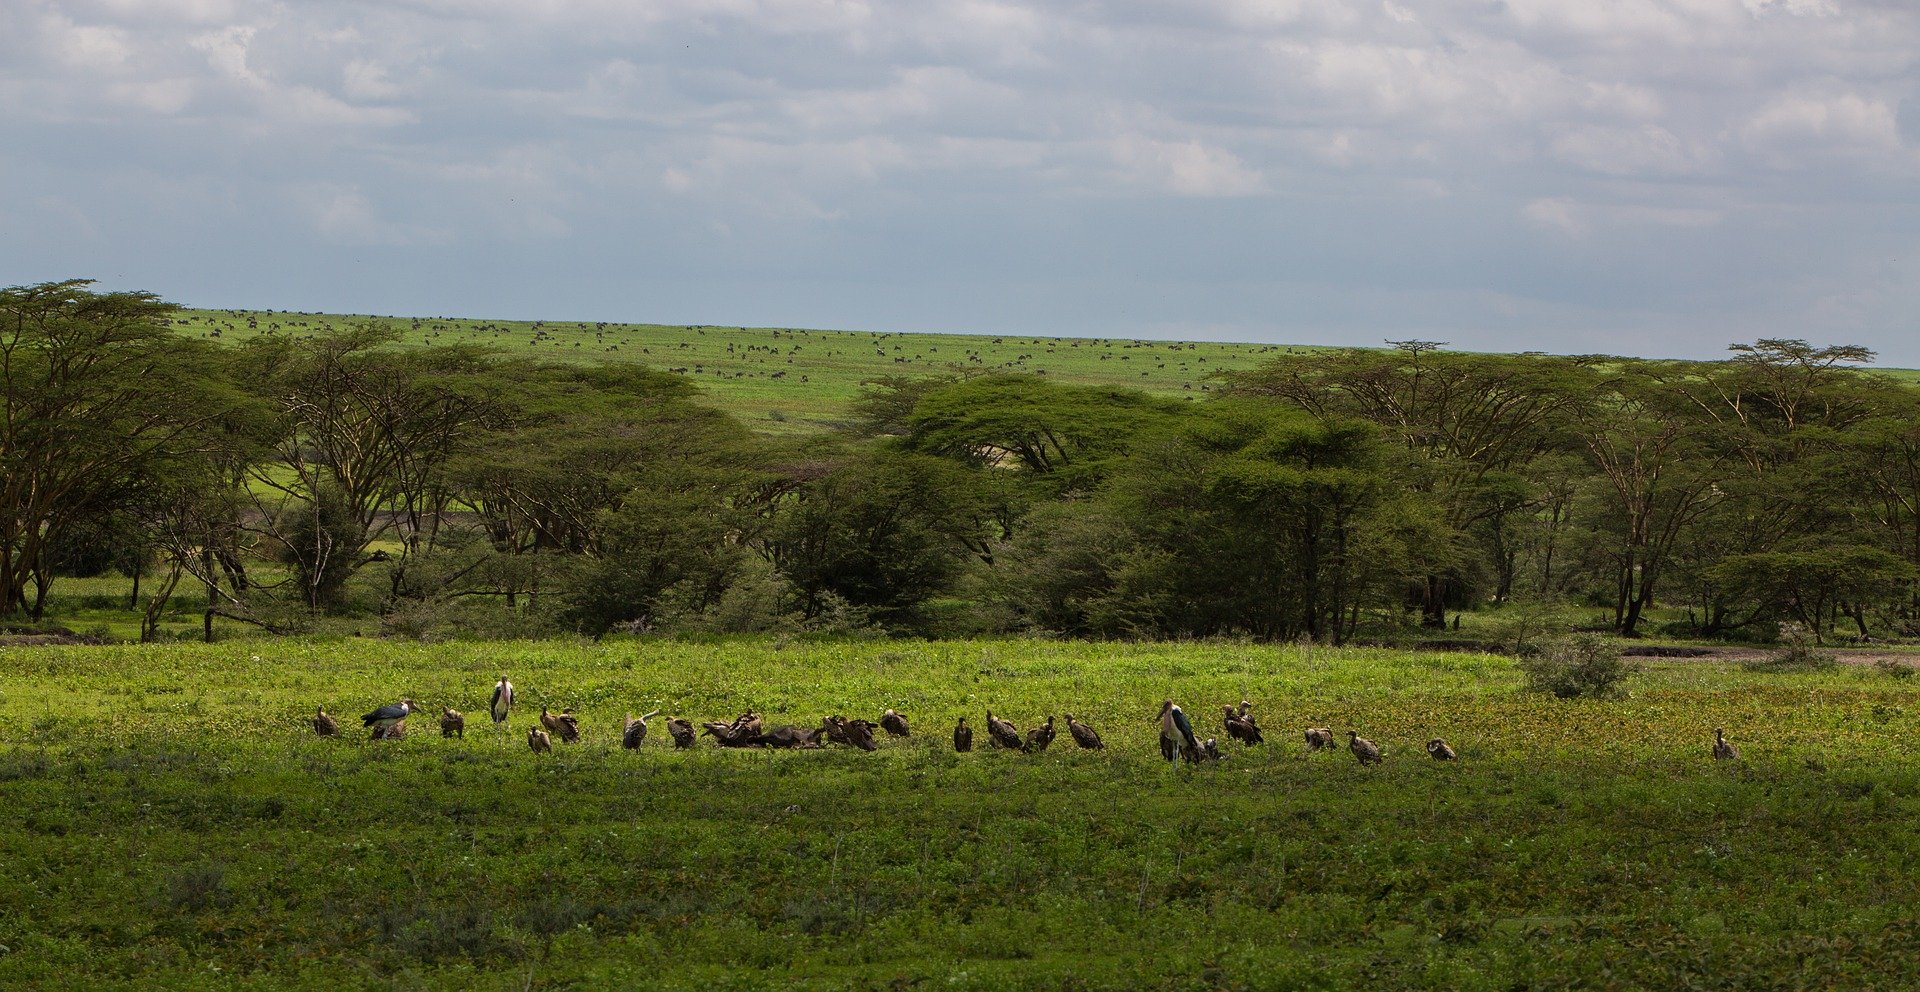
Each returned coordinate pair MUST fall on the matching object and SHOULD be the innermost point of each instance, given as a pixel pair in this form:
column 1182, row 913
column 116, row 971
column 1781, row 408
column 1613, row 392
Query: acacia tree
column 364, row 434
column 96, row 394
column 1473, row 422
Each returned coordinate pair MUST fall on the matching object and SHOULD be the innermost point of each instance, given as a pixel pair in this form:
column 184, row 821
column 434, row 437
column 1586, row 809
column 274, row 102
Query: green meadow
column 173, row 823
column 787, row 380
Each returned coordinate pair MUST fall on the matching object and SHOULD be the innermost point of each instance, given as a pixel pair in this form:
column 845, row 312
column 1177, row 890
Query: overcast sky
column 1655, row 177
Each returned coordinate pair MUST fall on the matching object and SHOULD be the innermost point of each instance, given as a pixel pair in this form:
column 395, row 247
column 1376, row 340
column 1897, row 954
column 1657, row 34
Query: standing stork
column 538, row 740
column 636, row 730
column 1723, row 751
column 383, row 719
column 1176, row 734
column 323, row 724
column 962, row 736
column 453, row 723
column 893, row 723
column 1084, row 735
column 502, row 701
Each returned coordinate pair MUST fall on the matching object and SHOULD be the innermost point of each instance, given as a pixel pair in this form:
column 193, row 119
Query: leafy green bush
column 1897, row 669
column 1581, row 666
column 1799, row 652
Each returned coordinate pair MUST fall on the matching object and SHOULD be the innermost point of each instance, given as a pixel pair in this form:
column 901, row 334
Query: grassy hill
column 784, row 379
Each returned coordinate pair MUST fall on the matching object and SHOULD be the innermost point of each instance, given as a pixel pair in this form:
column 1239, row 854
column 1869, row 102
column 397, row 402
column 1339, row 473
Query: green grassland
column 797, row 380
column 173, row 824
column 787, row 380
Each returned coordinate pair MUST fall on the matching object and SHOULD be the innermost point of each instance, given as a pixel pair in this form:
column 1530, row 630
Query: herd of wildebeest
column 1177, row 737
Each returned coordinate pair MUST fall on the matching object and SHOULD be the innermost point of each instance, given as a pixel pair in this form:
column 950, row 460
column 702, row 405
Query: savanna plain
column 173, row 822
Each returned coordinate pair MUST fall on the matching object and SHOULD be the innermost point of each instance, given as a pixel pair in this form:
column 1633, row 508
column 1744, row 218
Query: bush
column 1582, row 666
column 1798, row 653
column 1897, row 669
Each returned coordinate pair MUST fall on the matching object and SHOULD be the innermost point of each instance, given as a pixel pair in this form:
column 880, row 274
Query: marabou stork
column 1176, row 734
column 383, row 719
column 502, row 700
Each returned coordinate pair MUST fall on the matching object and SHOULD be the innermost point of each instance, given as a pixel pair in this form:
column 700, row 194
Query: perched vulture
column 1084, row 735
column 562, row 724
column 538, row 740
column 1039, row 737
column 1176, row 734
column 323, row 724
column 383, row 719
column 893, row 723
column 1723, row 751
column 1365, row 750
column 1440, row 751
column 682, row 731
column 502, row 700
column 1319, row 738
column 452, row 723
column 1242, row 728
column 1003, row 733
column 635, row 731
column 962, row 736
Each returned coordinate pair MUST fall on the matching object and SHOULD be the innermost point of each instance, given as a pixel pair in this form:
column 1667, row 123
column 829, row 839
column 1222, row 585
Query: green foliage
column 1798, row 652
column 1581, row 667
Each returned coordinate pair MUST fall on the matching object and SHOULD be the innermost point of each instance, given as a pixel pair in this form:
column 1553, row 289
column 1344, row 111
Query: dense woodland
column 1363, row 494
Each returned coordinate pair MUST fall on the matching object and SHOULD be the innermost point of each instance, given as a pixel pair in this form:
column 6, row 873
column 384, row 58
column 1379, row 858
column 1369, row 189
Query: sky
column 1644, row 177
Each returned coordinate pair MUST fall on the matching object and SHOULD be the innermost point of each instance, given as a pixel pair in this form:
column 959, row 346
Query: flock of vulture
column 1177, row 738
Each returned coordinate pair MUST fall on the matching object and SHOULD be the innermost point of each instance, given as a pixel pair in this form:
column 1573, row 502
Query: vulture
column 682, row 731
column 1319, row 738
column 893, row 723
column 835, row 729
column 1440, row 751
column 502, row 700
column 859, row 733
column 538, row 740
column 635, row 731
column 453, row 723
column 1039, row 737
column 1723, row 751
column 1365, row 750
column 564, row 724
column 1241, row 727
column 788, row 736
column 1176, row 734
column 1210, row 750
column 323, row 724
column 383, row 719
column 724, row 733
column 1084, row 735
column 962, row 736
column 746, row 724
column 1004, row 734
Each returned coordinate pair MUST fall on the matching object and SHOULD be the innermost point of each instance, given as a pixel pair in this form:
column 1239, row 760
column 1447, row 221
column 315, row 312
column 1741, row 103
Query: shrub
column 1894, row 667
column 1798, row 653
column 1581, row 666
